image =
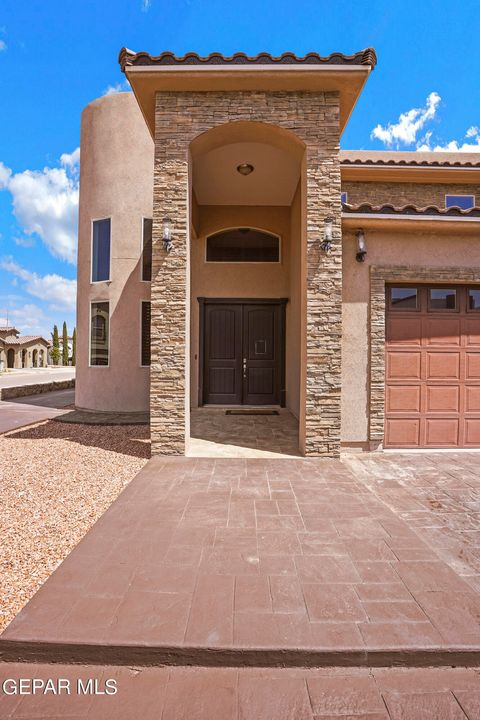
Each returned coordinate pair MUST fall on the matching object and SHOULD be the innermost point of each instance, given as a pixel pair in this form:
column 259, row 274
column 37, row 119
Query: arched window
column 244, row 245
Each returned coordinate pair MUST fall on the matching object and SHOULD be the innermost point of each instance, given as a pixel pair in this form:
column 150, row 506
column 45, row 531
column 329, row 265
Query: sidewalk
column 250, row 562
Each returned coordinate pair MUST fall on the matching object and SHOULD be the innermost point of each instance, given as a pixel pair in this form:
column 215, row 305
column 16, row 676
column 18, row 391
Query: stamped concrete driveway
column 437, row 495
column 34, row 408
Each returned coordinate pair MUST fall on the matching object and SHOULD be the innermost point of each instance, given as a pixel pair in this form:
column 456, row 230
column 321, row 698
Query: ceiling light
column 245, row 169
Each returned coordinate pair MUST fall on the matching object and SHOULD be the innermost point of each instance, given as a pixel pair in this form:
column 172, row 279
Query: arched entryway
column 246, row 259
column 41, row 358
column 24, row 358
column 11, row 358
column 35, row 358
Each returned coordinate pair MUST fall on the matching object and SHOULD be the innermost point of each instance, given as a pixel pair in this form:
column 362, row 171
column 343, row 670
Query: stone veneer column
column 179, row 119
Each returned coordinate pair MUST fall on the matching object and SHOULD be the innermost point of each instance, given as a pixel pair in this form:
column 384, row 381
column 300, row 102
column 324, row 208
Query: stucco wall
column 237, row 280
column 419, row 194
column 384, row 248
column 116, row 181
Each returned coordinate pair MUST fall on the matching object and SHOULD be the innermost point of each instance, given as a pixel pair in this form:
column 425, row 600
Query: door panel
column 261, row 361
column 223, row 352
column 243, row 353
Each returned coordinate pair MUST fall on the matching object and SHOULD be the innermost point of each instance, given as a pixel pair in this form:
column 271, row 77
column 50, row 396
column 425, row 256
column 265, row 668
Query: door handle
column 244, row 364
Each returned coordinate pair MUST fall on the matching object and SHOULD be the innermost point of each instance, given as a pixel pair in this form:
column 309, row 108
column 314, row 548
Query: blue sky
column 55, row 57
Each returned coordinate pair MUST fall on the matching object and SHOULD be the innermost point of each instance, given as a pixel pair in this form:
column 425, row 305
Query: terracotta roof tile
column 410, row 158
column 364, row 57
column 13, row 340
column 387, row 209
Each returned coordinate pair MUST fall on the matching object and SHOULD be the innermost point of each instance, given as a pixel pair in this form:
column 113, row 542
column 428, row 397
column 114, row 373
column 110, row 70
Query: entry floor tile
column 166, row 568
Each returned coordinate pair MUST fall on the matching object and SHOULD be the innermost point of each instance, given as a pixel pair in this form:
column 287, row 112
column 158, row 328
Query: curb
column 9, row 393
column 153, row 655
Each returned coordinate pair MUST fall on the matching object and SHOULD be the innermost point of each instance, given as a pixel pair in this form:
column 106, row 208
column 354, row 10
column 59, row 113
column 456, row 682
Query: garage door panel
column 441, row 432
column 472, row 432
column 442, row 331
column 472, row 398
column 404, row 365
column 400, row 432
column 442, row 365
column 404, row 331
column 471, row 330
column 403, row 398
column 442, row 398
column 472, row 366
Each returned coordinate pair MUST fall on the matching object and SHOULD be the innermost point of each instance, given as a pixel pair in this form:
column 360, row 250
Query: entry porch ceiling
column 273, row 181
column 345, row 74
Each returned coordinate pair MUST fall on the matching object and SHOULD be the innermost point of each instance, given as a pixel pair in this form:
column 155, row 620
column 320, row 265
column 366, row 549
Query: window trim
column 393, row 308
column 92, row 281
column 452, row 286
column 458, row 195
column 244, row 262
column 140, row 326
column 142, row 227
column 94, row 302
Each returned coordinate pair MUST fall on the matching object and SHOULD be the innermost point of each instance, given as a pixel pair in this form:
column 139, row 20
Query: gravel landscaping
column 55, row 482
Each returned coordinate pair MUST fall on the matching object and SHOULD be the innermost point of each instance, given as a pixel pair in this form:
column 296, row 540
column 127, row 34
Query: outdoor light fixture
column 326, row 245
column 361, row 245
column 167, row 234
column 245, row 169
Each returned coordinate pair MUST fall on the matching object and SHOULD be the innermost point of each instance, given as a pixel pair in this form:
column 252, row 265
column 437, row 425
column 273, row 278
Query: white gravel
column 55, row 482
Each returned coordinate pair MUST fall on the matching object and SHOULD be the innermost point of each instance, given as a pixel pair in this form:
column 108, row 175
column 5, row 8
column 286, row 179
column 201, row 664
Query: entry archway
column 35, row 358
column 11, row 358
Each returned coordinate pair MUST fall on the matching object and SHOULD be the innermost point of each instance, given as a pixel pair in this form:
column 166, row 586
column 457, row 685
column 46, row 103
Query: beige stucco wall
column 29, row 347
column 116, row 181
column 384, row 248
column 248, row 280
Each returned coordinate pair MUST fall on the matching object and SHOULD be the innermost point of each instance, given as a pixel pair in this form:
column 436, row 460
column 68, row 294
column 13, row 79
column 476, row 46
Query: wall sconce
column 326, row 245
column 361, row 246
column 167, row 234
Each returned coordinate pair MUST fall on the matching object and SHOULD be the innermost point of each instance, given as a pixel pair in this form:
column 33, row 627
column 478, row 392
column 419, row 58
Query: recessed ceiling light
column 245, row 169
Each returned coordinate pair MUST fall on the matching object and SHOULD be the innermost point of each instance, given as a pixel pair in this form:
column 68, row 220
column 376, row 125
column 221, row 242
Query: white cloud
column 58, row 291
column 472, row 133
column 405, row 131
column 119, row 87
column 24, row 242
column 3, row 46
column 45, row 202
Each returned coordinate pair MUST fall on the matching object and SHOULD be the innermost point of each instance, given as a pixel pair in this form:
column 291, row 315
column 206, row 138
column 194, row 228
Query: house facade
column 231, row 255
column 22, row 351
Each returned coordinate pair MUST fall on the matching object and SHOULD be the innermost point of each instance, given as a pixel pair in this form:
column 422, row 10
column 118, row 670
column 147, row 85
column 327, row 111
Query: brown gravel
column 55, row 482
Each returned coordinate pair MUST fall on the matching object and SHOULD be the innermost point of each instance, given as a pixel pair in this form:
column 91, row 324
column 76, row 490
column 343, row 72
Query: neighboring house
column 344, row 286
column 22, row 351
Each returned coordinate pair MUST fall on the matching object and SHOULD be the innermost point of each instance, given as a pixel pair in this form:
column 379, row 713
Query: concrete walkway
column 250, row 562
column 34, row 408
column 152, row 693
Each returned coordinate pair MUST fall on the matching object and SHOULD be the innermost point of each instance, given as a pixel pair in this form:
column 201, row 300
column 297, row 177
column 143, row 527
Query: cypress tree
column 55, row 351
column 65, row 344
column 74, row 346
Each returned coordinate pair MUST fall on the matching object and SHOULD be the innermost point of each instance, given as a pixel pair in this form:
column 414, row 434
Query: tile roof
column 14, row 340
column 128, row 57
column 7, row 328
column 410, row 158
column 431, row 210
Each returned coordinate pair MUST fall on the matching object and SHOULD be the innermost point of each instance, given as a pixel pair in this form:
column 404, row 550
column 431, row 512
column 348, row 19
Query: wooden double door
column 242, row 352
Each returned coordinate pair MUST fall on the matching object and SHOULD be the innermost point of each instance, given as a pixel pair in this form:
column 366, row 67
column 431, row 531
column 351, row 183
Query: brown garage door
column 432, row 367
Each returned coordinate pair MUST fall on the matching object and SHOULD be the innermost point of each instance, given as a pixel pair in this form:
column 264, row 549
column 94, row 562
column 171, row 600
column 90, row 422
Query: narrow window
column 243, row 245
column 99, row 333
column 344, row 197
column 442, row 299
column 465, row 202
column 474, row 299
column 403, row 298
column 147, row 249
column 101, row 250
column 145, row 332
